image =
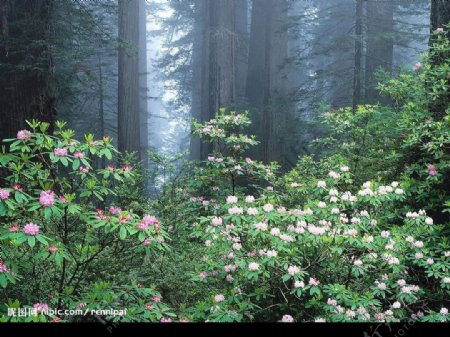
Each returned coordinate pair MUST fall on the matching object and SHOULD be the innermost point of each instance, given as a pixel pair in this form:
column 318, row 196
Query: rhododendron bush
column 64, row 232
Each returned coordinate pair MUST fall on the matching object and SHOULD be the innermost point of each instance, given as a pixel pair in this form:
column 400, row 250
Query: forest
column 224, row 161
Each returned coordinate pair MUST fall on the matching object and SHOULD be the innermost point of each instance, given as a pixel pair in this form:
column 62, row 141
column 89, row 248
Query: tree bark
column 128, row 100
column 358, row 54
column 267, row 78
column 380, row 44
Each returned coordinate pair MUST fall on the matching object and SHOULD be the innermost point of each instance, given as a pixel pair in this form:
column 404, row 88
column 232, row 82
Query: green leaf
column 47, row 213
column 122, row 233
column 31, row 241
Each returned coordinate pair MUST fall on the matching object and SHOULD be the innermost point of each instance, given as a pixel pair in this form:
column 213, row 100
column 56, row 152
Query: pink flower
column 229, row 278
column 3, row 267
column 78, row 154
column 142, row 226
column 31, row 229
column 41, row 307
column 52, row 248
column 268, row 208
column 60, row 152
column 439, row 30
column 432, row 170
column 248, row 160
column 417, row 66
column 166, row 320
column 84, row 169
column 219, row 298
column 4, row 194
column 148, row 241
column 115, row 210
column 13, row 228
column 127, row 168
column 150, row 220
column 253, row 266
column 17, row 187
column 149, row 306
column 313, row 282
column 110, row 168
column 156, row 299
column 203, row 275
column 287, row 319
column 62, row 199
column 47, row 198
column 23, row 135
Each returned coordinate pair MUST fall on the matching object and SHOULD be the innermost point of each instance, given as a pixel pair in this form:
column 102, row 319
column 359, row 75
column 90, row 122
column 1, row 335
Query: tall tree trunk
column 197, row 67
column 216, row 53
column 380, row 44
column 358, row 54
column 143, row 91
column 267, row 77
column 128, row 102
column 241, row 45
column 24, row 91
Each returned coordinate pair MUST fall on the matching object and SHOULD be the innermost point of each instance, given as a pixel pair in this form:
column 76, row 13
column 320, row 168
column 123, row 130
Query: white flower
column 293, row 270
column 252, row 211
column 333, row 192
column 401, row 283
column 429, row 221
column 321, row 184
column 358, row 263
column 236, row 210
column 294, row 184
column 287, row 319
column 430, row 261
column 397, row 305
column 368, row 239
column 446, row 280
column 216, row 221
column 275, row 231
column 208, row 243
column 253, row 266
column 344, row 168
column 418, row 244
column 232, row 199
column 261, row 226
column 331, row 302
column 335, row 211
column 418, row 256
column 272, row 253
column 237, row 246
column 398, row 191
column 299, row 284
column 385, row 234
column 249, row 199
column 334, row 175
column 320, row 320
column 333, row 199
column 444, row 311
column 394, row 184
column 268, row 208
column 367, row 184
column 382, row 286
column 322, row 204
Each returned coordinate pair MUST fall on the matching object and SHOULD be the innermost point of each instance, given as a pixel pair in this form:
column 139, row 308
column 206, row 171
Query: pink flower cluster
column 4, row 194
column 3, row 267
column 31, row 229
column 60, row 152
column 23, row 135
column 432, row 170
column 47, row 198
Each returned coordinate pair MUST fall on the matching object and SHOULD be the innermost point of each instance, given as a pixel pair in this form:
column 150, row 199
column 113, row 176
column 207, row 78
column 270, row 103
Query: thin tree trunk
column 358, row 54
column 380, row 44
column 128, row 100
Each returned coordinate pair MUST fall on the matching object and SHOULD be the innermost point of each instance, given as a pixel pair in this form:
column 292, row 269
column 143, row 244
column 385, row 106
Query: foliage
column 65, row 237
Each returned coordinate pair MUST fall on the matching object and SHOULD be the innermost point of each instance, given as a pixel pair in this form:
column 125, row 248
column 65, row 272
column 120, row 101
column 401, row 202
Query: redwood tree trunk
column 128, row 102
column 380, row 44
column 267, row 78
